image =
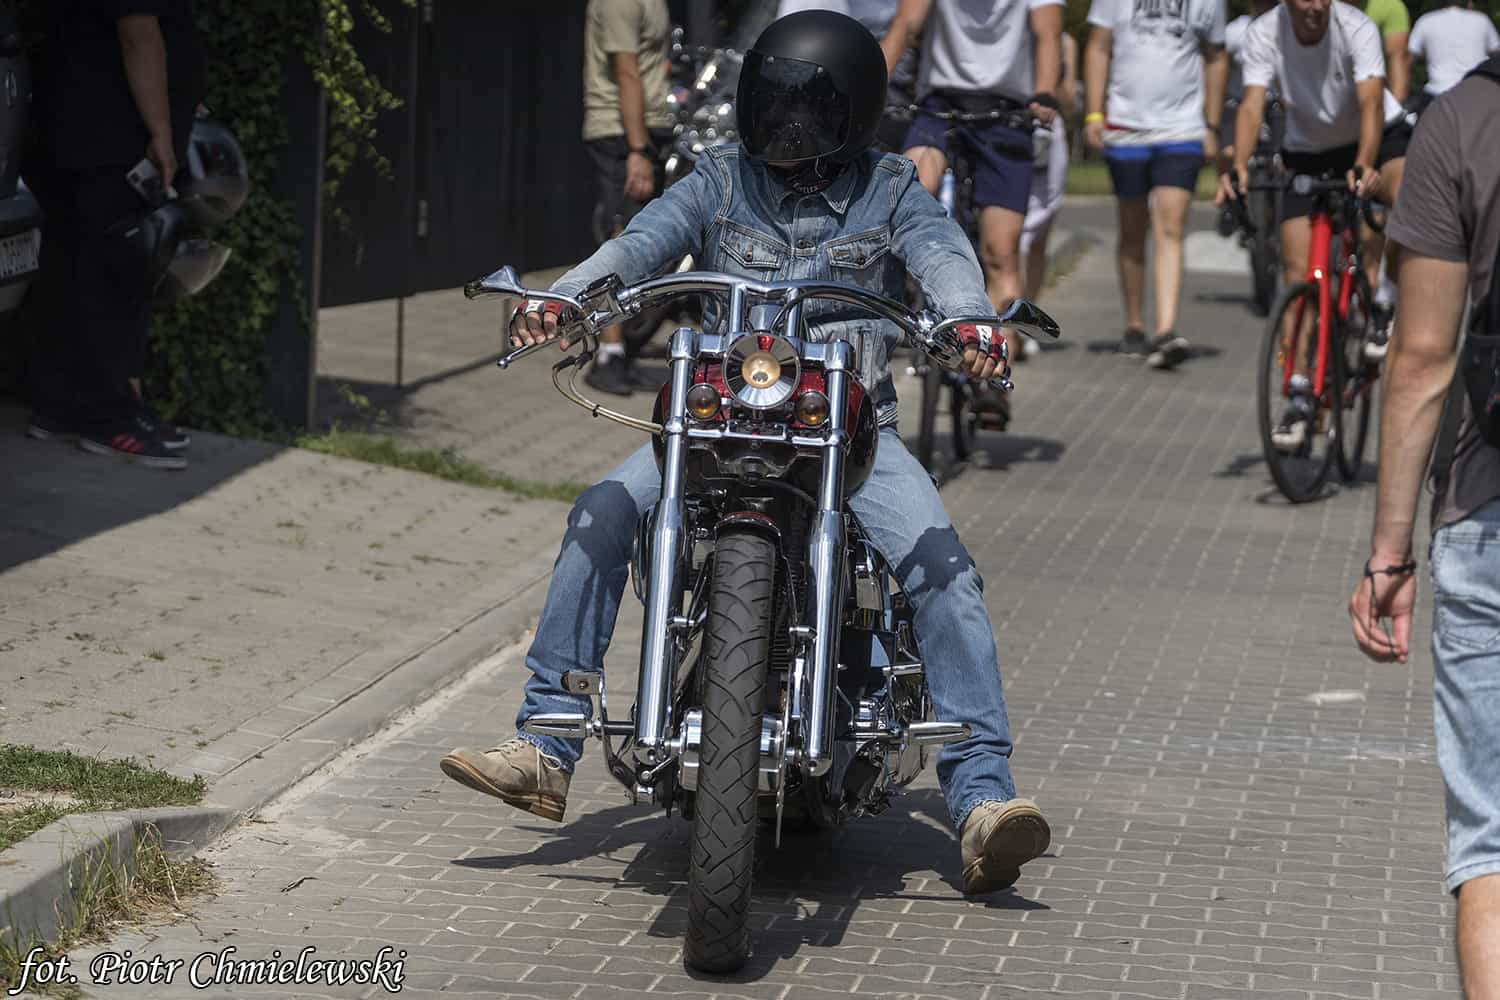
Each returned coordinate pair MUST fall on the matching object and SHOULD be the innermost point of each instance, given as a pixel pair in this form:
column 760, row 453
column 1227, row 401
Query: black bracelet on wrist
column 1394, row 569
column 1046, row 101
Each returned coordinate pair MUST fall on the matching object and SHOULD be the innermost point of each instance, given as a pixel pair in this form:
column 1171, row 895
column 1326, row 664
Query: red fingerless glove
column 546, row 307
column 987, row 340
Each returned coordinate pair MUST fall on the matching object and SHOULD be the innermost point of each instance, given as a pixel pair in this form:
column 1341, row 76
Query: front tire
column 1302, row 474
column 737, row 648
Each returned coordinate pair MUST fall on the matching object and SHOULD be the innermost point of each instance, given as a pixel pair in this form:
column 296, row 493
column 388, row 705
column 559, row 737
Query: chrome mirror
column 503, row 282
column 1026, row 317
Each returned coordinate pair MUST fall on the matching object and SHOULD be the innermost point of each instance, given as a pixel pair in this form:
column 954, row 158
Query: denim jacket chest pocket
column 863, row 258
column 746, row 251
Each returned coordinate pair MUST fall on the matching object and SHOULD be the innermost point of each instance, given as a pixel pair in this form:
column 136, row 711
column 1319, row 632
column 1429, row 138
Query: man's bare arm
column 144, row 53
column 1398, row 64
column 1371, row 120
column 1418, row 371
column 903, row 30
column 1047, row 28
column 632, row 98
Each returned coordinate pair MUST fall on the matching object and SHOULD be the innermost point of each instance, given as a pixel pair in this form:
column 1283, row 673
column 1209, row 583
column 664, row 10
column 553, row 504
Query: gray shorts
column 1466, row 703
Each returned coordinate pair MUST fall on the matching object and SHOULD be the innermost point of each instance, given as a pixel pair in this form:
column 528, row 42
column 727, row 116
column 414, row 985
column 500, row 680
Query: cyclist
column 804, row 197
column 1325, row 60
column 1452, row 40
column 1234, row 44
column 1165, row 67
column 1003, row 55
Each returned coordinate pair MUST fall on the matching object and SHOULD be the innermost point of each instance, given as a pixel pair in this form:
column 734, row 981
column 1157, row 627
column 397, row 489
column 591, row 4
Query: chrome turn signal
column 812, row 408
column 703, row 401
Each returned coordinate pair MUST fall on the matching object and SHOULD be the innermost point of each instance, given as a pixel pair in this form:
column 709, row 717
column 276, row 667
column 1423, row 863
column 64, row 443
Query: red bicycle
column 1312, row 360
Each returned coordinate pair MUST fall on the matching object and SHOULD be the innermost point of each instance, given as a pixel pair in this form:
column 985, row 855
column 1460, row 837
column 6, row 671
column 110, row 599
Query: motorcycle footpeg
column 583, row 682
column 929, row 733
column 568, row 725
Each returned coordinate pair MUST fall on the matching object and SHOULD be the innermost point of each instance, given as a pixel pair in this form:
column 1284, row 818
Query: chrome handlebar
column 609, row 301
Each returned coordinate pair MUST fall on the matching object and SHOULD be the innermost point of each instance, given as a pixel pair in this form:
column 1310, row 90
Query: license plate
column 20, row 254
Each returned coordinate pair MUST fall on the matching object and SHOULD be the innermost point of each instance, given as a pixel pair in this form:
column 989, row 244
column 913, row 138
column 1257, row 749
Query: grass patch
column 444, row 463
column 1091, row 177
column 90, row 783
column 107, row 897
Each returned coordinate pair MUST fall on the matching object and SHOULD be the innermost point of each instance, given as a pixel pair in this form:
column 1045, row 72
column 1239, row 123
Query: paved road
column 1242, row 806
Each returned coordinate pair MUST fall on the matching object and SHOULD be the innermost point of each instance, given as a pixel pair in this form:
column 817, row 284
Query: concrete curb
column 42, row 872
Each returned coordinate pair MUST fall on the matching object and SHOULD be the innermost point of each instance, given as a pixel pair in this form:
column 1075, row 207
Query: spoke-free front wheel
column 1299, row 447
column 737, row 649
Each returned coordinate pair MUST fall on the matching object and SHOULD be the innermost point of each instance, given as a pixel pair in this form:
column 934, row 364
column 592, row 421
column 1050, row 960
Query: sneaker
column 1379, row 340
column 1168, row 351
column 1030, row 347
column 1290, row 434
column 517, row 773
column 997, row 839
column 173, row 438
column 44, row 428
column 608, row 374
column 1133, row 345
column 134, row 443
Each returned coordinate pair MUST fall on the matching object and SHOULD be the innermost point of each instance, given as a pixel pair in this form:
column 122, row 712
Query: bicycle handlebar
column 1019, row 118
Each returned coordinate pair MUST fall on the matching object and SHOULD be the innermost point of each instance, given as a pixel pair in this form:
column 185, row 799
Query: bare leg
column 1169, row 208
column 1131, row 253
column 931, row 163
column 1296, row 236
column 1036, row 263
column 1479, row 937
column 1000, row 253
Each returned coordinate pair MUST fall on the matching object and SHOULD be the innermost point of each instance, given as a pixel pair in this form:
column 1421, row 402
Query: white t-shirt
column 1317, row 82
column 1234, row 41
column 1453, row 41
column 1156, row 68
column 980, row 47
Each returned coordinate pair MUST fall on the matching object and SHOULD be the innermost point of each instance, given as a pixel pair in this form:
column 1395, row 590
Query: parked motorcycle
column 20, row 214
column 779, row 676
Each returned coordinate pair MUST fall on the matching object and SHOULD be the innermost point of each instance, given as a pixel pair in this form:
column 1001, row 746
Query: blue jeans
column 1466, row 696
column 903, row 517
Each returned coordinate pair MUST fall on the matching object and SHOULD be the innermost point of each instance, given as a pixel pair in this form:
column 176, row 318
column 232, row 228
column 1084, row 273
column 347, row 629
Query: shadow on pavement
column 1000, row 452
column 54, row 494
column 807, row 893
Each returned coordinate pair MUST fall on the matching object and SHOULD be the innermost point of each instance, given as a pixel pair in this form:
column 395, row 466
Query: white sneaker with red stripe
column 133, row 443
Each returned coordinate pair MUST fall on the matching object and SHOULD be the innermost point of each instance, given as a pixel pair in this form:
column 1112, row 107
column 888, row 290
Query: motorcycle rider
column 803, row 197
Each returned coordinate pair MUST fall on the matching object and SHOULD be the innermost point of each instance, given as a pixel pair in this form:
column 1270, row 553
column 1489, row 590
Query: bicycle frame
column 1320, row 271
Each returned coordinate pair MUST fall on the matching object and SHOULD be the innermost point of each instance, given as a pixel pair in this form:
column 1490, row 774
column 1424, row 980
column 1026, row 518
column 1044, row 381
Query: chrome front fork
column 825, row 564
column 668, row 533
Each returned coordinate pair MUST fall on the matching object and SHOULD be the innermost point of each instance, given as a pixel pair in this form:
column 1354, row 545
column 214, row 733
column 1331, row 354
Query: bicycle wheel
column 1265, row 257
column 932, row 389
column 1300, row 472
column 1359, row 375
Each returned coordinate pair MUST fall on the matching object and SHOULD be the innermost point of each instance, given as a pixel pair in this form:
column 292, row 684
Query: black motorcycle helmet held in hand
column 812, row 88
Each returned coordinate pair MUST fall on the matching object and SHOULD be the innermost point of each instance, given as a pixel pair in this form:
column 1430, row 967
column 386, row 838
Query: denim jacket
column 872, row 225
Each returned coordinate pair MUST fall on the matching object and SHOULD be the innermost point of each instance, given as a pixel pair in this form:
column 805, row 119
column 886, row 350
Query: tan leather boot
column 997, row 839
column 516, row 772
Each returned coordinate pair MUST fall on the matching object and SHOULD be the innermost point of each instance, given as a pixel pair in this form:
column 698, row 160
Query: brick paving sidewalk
column 1242, row 806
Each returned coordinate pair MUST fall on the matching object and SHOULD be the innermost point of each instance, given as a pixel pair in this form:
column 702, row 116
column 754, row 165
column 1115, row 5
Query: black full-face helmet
column 812, row 88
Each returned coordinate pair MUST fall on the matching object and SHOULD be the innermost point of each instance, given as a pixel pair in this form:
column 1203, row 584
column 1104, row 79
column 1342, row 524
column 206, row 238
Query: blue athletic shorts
column 1135, row 170
column 1002, row 155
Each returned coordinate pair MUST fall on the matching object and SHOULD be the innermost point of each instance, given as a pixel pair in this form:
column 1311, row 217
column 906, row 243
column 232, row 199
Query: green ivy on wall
column 208, row 364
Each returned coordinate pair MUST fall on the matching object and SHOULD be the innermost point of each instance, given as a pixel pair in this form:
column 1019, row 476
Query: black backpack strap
column 1490, row 68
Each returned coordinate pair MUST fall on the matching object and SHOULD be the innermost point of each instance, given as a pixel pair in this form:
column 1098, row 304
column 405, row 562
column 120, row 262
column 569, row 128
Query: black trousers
column 93, row 314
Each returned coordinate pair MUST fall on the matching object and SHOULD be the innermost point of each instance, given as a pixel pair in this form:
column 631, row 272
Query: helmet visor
column 792, row 111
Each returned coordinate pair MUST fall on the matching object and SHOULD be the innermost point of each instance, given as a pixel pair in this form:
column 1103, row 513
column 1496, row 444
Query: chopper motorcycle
column 779, row 675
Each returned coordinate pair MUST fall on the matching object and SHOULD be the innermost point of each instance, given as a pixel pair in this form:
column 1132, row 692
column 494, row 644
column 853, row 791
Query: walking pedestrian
column 1447, row 224
column 1155, row 75
column 114, row 83
column 626, row 121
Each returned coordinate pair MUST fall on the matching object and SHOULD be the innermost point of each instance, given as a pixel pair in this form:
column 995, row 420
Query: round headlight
column 703, row 401
column 761, row 371
column 812, row 408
